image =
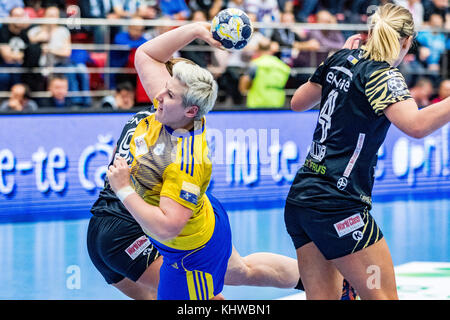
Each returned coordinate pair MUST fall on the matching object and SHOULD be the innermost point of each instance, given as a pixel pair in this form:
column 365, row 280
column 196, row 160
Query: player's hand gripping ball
column 232, row 27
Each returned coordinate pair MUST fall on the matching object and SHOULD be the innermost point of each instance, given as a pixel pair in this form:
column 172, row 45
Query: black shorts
column 119, row 248
column 335, row 234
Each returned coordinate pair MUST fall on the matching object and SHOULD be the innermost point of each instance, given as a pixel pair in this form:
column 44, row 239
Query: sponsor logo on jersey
column 349, row 225
column 315, row 167
column 137, row 247
column 342, row 183
column 317, row 151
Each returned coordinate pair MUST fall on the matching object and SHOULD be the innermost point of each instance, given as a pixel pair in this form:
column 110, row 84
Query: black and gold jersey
column 339, row 169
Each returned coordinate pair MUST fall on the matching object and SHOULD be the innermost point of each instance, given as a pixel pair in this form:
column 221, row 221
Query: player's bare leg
column 320, row 277
column 370, row 271
column 146, row 286
column 262, row 269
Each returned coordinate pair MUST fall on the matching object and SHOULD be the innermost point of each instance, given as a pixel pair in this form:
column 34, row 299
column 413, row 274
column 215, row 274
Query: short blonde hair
column 387, row 26
column 201, row 88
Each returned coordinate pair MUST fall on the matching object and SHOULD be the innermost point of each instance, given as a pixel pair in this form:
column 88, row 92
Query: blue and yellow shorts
column 197, row 274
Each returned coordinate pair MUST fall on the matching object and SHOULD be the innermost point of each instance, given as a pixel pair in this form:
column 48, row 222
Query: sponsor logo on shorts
column 349, row 225
column 136, row 248
column 357, row 235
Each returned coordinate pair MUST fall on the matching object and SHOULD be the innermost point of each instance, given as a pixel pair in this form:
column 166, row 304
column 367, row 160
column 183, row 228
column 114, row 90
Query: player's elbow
column 138, row 57
column 418, row 131
column 169, row 231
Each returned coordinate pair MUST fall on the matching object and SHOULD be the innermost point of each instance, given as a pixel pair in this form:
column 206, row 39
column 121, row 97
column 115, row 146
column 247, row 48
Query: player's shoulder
column 139, row 116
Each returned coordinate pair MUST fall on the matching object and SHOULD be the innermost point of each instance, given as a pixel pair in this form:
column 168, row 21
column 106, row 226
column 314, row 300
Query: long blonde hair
column 387, row 26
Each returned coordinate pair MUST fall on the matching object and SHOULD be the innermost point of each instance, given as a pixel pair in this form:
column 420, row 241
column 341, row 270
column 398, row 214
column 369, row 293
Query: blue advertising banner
column 53, row 165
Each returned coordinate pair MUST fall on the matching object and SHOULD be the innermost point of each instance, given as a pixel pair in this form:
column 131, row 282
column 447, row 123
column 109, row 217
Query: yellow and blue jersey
column 174, row 164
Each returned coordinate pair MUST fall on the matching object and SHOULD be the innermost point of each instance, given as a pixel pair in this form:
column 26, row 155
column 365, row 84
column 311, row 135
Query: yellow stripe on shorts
column 200, row 285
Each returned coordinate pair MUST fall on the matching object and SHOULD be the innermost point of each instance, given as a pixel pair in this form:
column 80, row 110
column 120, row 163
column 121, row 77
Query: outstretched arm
column 151, row 56
column 416, row 123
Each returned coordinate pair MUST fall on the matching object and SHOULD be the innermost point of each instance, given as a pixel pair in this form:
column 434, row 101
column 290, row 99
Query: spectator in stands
column 238, row 4
column 440, row 7
column 132, row 38
column 209, row 7
column 361, row 9
column 7, row 5
column 434, row 42
column 58, row 86
column 176, row 9
column 96, row 9
column 19, row 99
column 422, row 91
column 123, row 98
column 304, row 8
column 416, row 9
column 329, row 40
column 229, row 66
column 266, row 11
column 54, row 39
column 126, row 9
column 335, row 7
column 12, row 51
column 291, row 40
column 444, row 91
column 56, row 49
column 265, row 81
column 123, row 9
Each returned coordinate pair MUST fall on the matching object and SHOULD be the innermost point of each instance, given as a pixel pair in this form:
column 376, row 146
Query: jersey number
column 326, row 112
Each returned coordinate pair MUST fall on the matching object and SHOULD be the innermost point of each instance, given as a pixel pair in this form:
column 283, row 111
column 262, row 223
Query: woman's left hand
column 353, row 42
column 119, row 174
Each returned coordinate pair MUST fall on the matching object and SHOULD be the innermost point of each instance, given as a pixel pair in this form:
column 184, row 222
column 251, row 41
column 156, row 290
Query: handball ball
column 232, row 27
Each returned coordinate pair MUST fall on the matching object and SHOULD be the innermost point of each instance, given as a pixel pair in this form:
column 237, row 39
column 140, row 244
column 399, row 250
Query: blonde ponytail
column 388, row 25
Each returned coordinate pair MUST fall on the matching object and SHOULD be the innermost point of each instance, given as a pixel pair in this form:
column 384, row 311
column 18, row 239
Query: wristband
column 124, row 192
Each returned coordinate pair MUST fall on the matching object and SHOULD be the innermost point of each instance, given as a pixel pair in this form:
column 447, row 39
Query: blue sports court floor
column 48, row 260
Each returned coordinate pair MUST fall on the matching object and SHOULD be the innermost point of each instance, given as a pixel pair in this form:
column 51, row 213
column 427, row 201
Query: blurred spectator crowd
column 275, row 61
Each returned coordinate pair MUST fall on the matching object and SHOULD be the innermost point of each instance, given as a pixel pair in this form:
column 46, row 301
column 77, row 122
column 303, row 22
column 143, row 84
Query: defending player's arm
column 388, row 93
column 416, row 123
column 165, row 221
column 306, row 96
column 151, row 56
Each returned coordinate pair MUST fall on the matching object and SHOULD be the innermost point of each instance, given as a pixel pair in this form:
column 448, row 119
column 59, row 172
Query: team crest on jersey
column 141, row 145
column 396, row 84
column 159, row 149
column 190, row 192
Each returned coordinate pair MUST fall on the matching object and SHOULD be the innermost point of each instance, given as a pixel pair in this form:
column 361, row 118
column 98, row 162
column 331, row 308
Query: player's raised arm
column 151, row 56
